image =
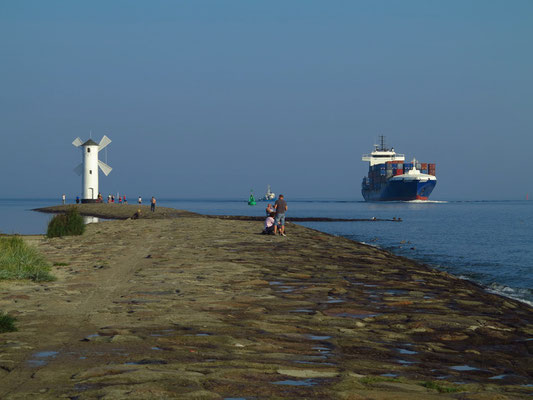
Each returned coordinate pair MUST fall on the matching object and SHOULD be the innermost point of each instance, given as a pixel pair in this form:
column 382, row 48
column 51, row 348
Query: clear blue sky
column 212, row 98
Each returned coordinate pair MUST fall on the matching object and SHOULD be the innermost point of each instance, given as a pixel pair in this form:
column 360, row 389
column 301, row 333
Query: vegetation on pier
column 19, row 261
column 7, row 323
column 70, row 223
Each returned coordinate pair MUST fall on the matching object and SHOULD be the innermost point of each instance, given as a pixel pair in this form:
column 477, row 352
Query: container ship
column 390, row 178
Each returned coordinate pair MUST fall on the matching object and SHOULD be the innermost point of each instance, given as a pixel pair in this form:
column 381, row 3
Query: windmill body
column 88, row 169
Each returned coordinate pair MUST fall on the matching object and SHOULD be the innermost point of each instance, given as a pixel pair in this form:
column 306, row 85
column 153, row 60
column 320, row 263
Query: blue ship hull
column 399, row 190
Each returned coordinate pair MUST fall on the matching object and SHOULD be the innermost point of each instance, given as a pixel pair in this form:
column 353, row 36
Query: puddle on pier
column 275, row 283
column 203, row 334
column 404, row 351
column 41, row 359
column 358, row 316
column 303, row 310
column 163, row 333
column 316, row 337
column 395, row 292
column 333, row 300
column 389, row 375
column 498, row 377
column 305, row 382
column 464, row 368
column 405, row 362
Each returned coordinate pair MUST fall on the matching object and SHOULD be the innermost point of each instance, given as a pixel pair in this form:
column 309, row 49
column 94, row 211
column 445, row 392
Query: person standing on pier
column 152, row 204
column 281, row 207
column 64, row 198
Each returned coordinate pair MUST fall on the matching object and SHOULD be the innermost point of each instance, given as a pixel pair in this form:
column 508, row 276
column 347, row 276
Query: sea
column 488, row 242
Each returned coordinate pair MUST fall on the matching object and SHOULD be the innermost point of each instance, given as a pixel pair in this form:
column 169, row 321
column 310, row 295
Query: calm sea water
column 490, row 242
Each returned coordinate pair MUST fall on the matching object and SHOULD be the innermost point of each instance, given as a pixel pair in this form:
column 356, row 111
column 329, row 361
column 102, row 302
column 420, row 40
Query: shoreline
column 197, row 307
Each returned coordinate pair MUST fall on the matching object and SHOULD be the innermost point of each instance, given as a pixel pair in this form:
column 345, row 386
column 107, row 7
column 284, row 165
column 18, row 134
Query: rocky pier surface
column 179, row 305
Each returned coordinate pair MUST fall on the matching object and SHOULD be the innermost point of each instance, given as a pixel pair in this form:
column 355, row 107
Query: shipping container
column 424, row 165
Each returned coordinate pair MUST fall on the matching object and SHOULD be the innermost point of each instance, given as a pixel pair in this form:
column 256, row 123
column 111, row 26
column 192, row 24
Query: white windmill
column 88, row 168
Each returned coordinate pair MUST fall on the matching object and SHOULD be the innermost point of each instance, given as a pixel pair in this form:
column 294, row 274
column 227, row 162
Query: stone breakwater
column 187, row 306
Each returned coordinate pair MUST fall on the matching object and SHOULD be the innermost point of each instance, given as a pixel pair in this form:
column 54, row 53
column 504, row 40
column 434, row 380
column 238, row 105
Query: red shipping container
column 398, row 172
column 424, row 165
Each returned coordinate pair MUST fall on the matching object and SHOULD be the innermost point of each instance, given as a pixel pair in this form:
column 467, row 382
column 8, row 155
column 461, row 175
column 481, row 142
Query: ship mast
column 382, row 143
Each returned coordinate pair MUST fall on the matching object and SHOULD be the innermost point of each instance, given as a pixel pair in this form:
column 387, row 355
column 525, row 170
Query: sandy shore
column 185, row 306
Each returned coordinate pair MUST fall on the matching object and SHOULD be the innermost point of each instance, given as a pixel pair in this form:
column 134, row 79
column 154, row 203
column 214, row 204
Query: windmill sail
column 77, row 142
column 106, row 169
column 103, row 143
column 79, row 169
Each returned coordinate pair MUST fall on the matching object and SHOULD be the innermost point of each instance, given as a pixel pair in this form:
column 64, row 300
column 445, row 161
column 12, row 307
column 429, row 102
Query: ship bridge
column 382, row 156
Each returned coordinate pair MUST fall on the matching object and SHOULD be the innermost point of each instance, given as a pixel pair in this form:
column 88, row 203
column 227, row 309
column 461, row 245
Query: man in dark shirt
column 281, row 207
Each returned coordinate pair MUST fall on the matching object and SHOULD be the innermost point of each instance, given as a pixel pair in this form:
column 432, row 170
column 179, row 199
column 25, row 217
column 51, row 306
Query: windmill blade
column 106, row 169
column 79, row 169
column 77, row 142
column 103, row 143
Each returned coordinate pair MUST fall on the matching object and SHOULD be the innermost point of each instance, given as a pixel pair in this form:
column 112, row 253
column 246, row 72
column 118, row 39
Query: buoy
column 251, row 200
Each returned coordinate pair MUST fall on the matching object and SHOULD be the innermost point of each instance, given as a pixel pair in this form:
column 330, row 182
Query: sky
column 209, row 99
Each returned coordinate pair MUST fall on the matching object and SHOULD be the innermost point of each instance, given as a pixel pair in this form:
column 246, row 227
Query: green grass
column 61, row 264
column 19, row 261
column 7, row 323
column 439, row 387
column 67, row 224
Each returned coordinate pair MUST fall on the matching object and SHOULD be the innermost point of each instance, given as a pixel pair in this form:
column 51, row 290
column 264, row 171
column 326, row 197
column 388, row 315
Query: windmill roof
column 90, row 142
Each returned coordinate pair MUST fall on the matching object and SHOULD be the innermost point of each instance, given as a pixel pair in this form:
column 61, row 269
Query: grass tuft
column 7, row 323
column 19, row 261
column 439, row 387
column 67, row 224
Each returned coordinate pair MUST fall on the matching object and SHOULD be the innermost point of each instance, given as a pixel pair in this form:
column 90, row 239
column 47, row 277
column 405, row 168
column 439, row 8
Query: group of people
column 112, row 199
column 275, row 220
column 152, row 202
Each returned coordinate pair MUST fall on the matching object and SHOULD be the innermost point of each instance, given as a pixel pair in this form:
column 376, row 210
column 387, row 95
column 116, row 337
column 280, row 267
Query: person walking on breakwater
column 281, row 207
column 152, row 204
